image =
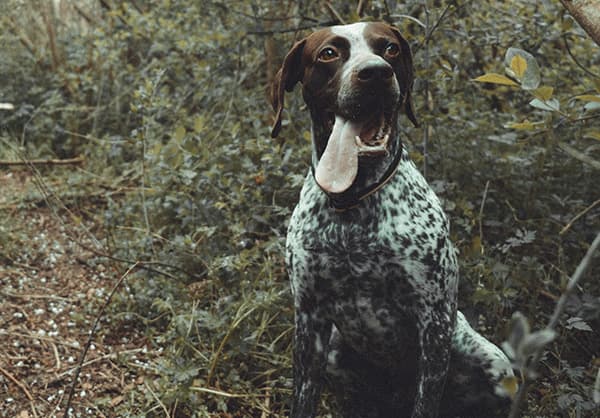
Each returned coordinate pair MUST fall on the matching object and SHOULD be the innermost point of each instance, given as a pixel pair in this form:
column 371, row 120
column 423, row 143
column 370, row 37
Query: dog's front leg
column 434, row 347
column 310, row 355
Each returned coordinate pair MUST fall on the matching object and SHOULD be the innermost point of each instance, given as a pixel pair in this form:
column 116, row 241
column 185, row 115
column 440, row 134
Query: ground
column 52, row 288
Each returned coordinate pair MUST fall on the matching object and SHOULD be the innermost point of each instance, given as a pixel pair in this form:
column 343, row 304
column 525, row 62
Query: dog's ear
column 406, row 78
column 286, row 78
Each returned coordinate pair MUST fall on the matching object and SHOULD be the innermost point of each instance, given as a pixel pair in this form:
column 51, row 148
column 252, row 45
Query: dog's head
column 355, row 79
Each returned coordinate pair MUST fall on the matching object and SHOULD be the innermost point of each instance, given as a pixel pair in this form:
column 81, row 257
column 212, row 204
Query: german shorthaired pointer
column 373, row 272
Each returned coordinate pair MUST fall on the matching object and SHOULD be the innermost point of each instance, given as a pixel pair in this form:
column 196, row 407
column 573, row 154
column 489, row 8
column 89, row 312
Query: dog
column 373, row 272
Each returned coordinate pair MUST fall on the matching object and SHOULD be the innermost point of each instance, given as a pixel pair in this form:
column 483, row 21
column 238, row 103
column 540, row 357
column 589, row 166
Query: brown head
column 318, row 61
column 355, row 80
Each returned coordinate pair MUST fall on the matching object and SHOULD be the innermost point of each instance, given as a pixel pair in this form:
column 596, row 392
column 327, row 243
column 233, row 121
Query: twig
column 56, row 357
column 485, row 192
column 579, row 155
column 97, row 359
column 34, row 296
column 40, row 337
column 584, row 264
column 429, row 31
column 91, row 336
column 360, row 9
column 294, row 29
column 17, row 382
column 157, row 399
column 411, row 18
column 579, row 215
column 588, row 72
column 334, row 13
column 221, row 393
column 66, row 161
column 426, row 89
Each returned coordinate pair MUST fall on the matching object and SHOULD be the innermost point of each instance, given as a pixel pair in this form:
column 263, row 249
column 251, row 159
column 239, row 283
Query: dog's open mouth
column 374, row 134
column 350, row 139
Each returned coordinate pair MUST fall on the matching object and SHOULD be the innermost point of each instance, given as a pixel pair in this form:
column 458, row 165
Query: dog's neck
column 373, row 171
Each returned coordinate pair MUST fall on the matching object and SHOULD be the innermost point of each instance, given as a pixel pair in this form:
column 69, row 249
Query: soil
column 52, row 288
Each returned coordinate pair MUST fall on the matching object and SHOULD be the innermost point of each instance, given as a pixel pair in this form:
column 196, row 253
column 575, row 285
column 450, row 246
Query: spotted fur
column 375, row 282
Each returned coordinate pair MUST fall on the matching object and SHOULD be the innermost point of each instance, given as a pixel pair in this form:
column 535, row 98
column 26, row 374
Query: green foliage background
column 166, row 100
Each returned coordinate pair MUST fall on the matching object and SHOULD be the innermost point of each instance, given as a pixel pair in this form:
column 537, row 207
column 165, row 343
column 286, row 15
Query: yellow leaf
column 589, row 98
column 523, row 126
column 510, row 385
column 476, row 247
column 179, row 133
column 495, row 79
column 543, row 93
column 445, row 64
column 592, row 135
column 518, row 65
column 199, row 123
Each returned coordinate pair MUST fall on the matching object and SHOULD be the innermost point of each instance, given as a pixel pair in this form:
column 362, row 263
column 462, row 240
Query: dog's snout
column 372, row 71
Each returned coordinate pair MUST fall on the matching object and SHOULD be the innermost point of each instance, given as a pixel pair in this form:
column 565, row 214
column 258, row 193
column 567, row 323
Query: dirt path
column 50, row 292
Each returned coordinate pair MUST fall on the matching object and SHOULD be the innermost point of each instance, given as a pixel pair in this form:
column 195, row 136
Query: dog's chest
column 371, row 268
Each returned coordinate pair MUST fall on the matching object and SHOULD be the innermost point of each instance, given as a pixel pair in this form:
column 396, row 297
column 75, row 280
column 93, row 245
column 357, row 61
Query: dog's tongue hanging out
column 338, row 165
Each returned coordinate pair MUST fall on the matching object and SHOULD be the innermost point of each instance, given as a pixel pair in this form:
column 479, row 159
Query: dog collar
column 346, row 201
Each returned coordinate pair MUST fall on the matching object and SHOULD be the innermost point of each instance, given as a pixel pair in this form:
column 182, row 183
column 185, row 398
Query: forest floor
column 52, row 288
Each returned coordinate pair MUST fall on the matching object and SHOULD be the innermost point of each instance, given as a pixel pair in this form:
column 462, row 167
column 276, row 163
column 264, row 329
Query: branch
column 67, row 161
column 580, row 271
column 587, row 14
column 579, row 155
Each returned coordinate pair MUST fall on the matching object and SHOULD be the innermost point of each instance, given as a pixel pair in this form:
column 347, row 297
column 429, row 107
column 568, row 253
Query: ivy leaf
column 496, row 79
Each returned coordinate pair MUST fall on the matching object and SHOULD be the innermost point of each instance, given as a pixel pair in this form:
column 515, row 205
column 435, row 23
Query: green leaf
column 551, row 105
column 496, row 79
column 179, row 133
column 199, row 123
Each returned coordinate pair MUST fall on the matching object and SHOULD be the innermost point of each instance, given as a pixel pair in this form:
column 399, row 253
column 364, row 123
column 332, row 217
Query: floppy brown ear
column 286, row 78
column 406, row 78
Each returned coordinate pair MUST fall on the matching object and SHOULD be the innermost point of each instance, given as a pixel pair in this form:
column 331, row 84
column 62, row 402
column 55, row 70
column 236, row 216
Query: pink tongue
column 338, row 165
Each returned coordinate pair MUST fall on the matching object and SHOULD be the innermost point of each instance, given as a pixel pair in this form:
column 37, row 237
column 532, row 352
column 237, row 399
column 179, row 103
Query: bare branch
column 66, row 161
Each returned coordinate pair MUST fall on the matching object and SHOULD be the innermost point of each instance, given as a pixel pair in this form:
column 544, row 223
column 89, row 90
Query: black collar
column 345, row 200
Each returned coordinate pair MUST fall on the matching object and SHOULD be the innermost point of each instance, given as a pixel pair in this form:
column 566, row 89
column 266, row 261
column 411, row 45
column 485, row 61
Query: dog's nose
column 374, row 71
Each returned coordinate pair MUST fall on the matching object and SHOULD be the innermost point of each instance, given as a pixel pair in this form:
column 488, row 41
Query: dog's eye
column 328, row 54
column 392, row 50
